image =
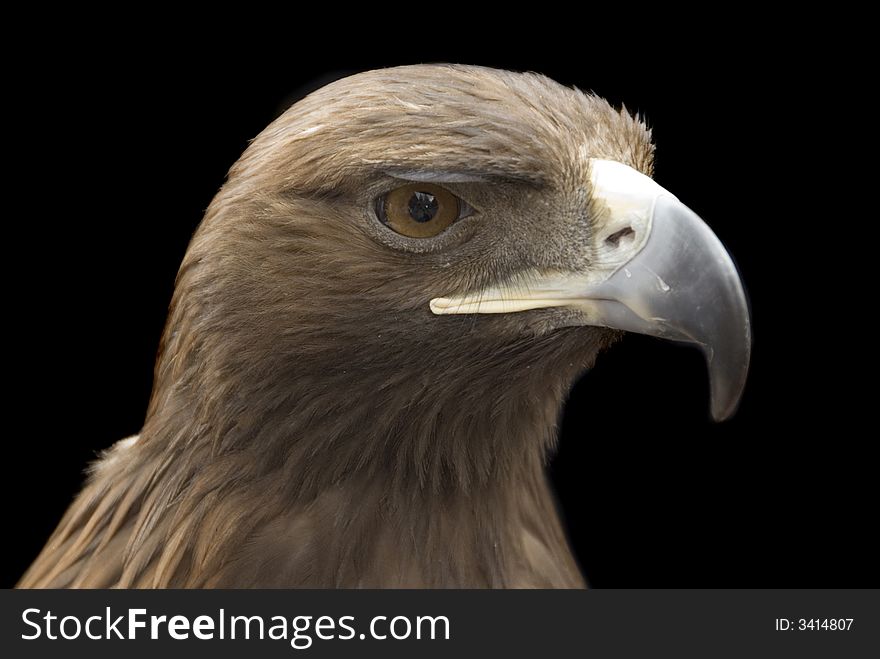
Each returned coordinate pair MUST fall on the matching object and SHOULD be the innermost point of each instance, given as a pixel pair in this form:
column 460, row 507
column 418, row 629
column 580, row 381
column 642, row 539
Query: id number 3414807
column 814, row 624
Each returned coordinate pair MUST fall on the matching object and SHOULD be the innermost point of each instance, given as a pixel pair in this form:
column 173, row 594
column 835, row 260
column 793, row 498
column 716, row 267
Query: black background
column 118, row 148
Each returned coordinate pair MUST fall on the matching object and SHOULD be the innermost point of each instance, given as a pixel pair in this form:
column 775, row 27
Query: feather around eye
column 419, row 210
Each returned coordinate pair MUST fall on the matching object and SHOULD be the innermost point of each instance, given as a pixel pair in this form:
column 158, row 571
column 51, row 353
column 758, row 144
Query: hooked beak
column 656, row 268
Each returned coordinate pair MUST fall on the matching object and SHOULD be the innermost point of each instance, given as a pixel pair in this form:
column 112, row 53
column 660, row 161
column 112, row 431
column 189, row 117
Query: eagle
column 373, row 332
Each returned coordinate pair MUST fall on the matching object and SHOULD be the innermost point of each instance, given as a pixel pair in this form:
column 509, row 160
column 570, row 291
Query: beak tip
column 722, row 412
column 726, row 395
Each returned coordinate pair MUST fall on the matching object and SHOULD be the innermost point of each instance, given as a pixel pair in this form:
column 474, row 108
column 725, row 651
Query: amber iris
column 419, row 210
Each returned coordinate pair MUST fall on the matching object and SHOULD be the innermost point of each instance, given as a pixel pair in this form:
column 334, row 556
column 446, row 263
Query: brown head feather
column 312, row 423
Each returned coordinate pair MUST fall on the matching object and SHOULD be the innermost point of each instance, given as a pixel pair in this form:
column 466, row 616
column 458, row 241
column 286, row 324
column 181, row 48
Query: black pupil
column 423, row 206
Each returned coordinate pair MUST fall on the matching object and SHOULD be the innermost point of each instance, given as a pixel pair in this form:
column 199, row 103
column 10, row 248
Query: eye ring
column 419, row 210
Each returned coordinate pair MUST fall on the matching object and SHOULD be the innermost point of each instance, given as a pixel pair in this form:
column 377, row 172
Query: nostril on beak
column 621, row 238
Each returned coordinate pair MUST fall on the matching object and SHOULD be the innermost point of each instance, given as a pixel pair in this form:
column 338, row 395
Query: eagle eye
column 419, row 210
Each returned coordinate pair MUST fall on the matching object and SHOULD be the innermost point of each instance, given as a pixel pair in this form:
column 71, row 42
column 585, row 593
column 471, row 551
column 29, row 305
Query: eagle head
column 433, row 254
column 373, row 332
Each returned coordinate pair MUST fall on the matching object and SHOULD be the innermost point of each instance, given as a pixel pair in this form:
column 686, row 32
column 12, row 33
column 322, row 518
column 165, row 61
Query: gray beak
column 656, row 269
